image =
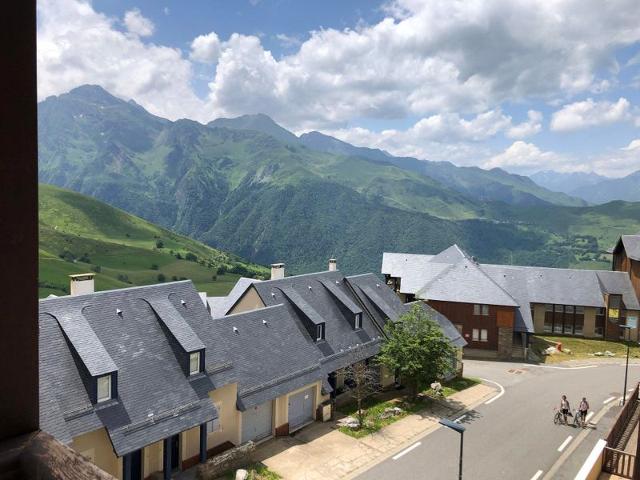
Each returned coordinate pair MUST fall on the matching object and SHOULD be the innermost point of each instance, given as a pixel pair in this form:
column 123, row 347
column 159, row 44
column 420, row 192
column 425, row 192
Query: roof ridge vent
column 264, row 322
column 235, row 330
column 118, row 312
column 183, row 303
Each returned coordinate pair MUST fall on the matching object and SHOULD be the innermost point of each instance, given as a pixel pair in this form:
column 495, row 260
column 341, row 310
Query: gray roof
column 464, row 281
column 155, row 397
column 220, row 306
column 177, row 325
column 631, row 246
column 394, row 264
column 618, row 283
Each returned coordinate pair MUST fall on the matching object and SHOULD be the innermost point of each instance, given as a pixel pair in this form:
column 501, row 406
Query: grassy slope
column 581, row 348
column 122, row 245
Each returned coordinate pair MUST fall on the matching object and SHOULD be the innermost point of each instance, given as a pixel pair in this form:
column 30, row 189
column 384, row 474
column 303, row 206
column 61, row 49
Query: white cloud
column 76, row 46
column 590, row 113
column 525, row 129
column 288, row 41
column 205, row 48
column 137, row 24
column 621, row 162
column 526, row 158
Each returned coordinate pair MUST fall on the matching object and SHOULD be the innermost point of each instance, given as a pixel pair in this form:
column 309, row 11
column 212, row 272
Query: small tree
column 416, row 348
column 362, row 381
column 161, row 277
column 159, row 243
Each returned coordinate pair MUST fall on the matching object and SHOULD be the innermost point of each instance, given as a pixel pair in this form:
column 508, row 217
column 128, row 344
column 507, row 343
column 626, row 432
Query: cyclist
column 565, row 408
column 584, row 409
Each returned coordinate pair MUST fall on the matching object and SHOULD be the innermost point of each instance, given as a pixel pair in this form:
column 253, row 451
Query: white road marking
column 608, row 400
column 589, row 415
column 565, row 443
column 407, row 450
column 562, row 368
column 460, row 418
column 491, row 400
column 537, row 475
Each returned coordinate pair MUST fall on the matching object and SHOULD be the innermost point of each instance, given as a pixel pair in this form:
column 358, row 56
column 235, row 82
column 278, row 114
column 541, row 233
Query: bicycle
column 558, row 417
column 579, row 420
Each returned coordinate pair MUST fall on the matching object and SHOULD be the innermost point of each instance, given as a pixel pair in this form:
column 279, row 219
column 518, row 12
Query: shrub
column 222, row 269
column 161, row 277
column 178, row 256
column 174, row 278
column 123, row 278
column 67, row 256
column 159, row 243
column 191, row 257
column 214, row 277
column 85, row 258
column 96, row 268
column 154, row 267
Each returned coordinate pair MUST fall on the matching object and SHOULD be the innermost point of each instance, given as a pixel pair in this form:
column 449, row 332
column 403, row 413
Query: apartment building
column 149, row 380
column 497, row 307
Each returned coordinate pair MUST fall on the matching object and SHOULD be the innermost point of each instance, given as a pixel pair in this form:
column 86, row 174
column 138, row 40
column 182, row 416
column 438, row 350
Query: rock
column 242, row 474
column 349, row 422
column 391, row 412
column 607, row 353
column 598, row 354
column 550, row 351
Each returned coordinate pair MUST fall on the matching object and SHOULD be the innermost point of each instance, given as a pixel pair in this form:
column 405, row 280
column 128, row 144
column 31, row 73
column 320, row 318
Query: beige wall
column 190, row 443
column 282, row 403
column 249, row 301
column 224, row 399
column 152, row 458
column 588, row 330
column 538, row 317
column 97, row 447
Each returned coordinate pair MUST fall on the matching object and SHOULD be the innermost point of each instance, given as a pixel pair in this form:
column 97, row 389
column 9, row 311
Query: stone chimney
column 333, row 266
column 81, row 284
column 277, row 271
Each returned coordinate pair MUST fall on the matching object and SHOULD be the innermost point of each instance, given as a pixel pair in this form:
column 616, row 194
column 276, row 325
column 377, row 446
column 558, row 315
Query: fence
column 614, row 461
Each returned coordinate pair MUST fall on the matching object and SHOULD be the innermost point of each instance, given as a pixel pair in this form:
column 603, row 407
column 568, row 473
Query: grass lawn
column 375, row 407
column 257, row 471
column 581, row 348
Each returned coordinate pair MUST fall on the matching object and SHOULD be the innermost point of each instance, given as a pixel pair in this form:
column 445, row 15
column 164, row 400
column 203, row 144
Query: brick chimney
column 277, row 271
column 333, row 266
column 81, row 284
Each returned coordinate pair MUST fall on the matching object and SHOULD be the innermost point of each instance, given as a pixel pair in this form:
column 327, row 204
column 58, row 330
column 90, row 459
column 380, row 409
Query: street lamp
column 460, row 429
column 626, row 368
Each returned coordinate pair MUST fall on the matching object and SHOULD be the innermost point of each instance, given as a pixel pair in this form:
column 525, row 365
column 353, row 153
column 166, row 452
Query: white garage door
column 256, row 422
column 301, row 408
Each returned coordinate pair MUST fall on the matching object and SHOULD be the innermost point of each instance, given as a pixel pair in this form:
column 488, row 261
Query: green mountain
column 483, row 185
column 251, row 193
column 79, row 234
column 610, row 189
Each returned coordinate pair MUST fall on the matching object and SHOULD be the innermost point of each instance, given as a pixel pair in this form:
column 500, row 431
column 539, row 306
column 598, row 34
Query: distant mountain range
column 251, row 187
column 591, row 187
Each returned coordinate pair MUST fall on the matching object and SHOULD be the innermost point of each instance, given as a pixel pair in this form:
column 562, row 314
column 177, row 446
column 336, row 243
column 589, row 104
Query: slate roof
column 155, row 397
column 221, row 305
column 463, row 280
column 632, row 246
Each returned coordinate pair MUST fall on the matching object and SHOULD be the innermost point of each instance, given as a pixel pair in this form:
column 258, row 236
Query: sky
column 523, row 85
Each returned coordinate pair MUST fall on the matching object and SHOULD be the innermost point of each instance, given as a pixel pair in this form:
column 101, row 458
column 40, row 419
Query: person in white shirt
column 584, row 409
column 564, row 407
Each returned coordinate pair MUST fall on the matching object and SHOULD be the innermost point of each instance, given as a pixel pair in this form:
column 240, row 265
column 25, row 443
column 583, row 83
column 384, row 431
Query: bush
column 178, row 256
column 67, row 256
column 84, row 258
column 222, row 269
column 161, row 277
column 159, row 244
column 96, row 268
column 174, row 279
column 239, row 270
column 123, row 278
column 214, row 277
column 191, row 257
column 154, row 267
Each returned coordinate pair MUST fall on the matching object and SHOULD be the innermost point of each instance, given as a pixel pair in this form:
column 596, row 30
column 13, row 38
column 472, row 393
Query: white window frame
column 484, row 335
column 104, row 397
column 319, row 332
column 475, row 335
column 193, row 355
column 480, row 309
column 358, row 321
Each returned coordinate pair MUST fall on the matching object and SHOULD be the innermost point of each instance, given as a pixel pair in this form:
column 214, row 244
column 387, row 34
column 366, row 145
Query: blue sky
column 524, row 86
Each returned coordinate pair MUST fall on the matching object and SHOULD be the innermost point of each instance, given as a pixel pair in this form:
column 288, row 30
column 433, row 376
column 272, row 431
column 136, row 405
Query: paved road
column 513, row 437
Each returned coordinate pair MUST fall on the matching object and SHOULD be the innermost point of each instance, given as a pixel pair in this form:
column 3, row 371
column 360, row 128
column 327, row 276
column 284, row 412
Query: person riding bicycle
column 584, row 409
column 565, row 409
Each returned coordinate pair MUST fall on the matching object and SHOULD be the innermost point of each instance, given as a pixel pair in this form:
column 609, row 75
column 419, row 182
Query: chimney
column 333, row 266
column 81, row 284
column 277, row 271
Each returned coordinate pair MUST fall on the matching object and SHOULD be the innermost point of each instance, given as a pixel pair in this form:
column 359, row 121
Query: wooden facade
column 622, row 263
column 499, row 319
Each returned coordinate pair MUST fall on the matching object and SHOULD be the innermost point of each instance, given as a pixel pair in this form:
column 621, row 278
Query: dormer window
column 103, row 388
column 358, row 321
column 319, row 332
column 194, row 363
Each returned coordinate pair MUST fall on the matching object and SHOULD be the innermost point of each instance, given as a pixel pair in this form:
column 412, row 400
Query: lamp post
column 460, row 429
column 626, row 368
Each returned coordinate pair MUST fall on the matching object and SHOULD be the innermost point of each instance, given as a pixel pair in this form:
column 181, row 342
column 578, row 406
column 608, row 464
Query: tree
column 417, row 348
column 159, row 243
column 363, row 381
column 161, row 277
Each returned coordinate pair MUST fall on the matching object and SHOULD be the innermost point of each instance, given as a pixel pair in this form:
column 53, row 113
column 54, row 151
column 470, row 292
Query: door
column 132, row 464
column 175, row 452
column 257, row 422
column 301, row 408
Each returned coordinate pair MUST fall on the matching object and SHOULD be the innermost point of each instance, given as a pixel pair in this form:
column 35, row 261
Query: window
column 481, row 310
column 480, row 335
column 104, row 388
column 358, row 321
column 194, row 363
column 598, row 331
column 483, row 335
column 568, row 309
column 548, row 307
column 319, row 332
column 210, row 426
column 476, row 335
column 579, row 310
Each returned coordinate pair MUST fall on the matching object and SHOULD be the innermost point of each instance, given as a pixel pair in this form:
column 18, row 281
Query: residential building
column 626, row 258
column 497, row 307
column 145, row 380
